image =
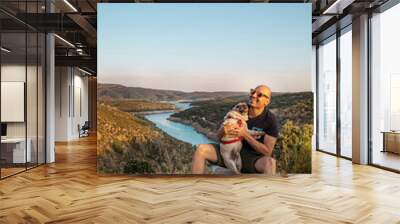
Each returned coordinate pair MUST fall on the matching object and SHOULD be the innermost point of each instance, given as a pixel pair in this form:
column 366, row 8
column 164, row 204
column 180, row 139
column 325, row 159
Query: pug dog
column 230, row 146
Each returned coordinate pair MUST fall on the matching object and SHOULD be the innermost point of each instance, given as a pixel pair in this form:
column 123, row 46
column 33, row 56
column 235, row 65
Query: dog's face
column 242, row 109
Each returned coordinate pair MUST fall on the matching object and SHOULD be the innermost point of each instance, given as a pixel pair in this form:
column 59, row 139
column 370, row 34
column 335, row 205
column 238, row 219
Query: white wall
column 71, row 102
column 12, row 73
column 80, row 109
column 62, row 81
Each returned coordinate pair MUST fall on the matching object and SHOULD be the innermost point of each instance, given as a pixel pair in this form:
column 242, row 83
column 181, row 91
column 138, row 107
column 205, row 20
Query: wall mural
column 204, row 89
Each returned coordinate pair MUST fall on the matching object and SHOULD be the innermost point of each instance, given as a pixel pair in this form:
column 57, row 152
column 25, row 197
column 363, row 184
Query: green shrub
column 117, row 147
column 293, row 148
column 137, row 167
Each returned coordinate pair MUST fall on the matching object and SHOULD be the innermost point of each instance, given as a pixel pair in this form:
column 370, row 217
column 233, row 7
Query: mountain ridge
column 117, row 91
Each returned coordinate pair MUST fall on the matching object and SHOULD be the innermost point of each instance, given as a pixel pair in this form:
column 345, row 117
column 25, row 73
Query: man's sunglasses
column 252, row 91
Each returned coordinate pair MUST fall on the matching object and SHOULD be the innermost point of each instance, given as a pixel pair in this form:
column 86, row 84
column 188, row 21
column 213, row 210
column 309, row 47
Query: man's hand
column 242, row 131
column 230, row 130
column 226, row 130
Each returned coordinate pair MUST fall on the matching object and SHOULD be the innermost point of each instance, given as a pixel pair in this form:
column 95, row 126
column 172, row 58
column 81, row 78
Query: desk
column 391, row 141
column 16, row 147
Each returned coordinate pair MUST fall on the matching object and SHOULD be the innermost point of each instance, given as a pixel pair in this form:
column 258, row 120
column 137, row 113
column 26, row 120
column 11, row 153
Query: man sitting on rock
column 257, row 149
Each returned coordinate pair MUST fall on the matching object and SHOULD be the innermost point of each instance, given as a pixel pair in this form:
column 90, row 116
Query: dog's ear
column 243, row 108
column 239, row 107
column 235, row 107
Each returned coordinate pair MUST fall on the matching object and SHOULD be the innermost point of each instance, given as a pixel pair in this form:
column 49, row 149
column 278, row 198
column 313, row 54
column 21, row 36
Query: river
column 177, row 130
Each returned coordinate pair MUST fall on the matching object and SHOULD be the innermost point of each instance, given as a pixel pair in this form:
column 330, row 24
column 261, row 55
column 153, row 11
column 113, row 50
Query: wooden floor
column 70, row 191
column 5, row 172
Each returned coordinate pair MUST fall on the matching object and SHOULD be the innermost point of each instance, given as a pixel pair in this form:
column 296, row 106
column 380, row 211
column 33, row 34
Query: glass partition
column 31, row 87
column 22, row 77
column 31, row 98
column 41, row 87
column 14, row 153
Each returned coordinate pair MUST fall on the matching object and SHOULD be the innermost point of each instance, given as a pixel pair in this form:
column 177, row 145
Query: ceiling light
column 64, row 40
column 79, row 51
column 71, row 6
column 84, row 71
column 338, row 6
column 5, row 50
column 333, row 6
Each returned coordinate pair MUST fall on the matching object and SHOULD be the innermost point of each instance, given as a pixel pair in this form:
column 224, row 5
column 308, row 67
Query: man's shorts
column 249, row 158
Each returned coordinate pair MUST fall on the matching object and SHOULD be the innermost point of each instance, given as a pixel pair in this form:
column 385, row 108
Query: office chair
column 84, row 130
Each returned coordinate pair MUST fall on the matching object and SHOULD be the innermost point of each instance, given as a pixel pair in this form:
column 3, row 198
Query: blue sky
column 205, row 47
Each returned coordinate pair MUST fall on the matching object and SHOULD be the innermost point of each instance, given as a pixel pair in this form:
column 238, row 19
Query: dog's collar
column 231, row 141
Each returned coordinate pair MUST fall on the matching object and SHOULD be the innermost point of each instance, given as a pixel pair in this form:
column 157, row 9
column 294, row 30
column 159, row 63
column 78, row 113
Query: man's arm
column 265, row 148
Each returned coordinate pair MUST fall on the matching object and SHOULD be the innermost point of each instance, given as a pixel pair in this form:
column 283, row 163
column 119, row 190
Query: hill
column 128, row 105
column 297, row 107
column 129, row 144
column 116, row 91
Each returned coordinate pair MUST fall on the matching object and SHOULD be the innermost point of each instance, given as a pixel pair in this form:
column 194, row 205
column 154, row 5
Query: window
column 385, row 89
column 394, row 102
column 346, row 93
column 327, row 96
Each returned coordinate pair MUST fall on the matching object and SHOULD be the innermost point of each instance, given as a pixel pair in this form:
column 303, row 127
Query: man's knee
column 270, row 162
column 202, row 150
column 270, row 165
column 266, row 165
column 206, row 151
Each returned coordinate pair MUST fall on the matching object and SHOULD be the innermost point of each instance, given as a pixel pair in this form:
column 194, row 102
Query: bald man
column 257, row 150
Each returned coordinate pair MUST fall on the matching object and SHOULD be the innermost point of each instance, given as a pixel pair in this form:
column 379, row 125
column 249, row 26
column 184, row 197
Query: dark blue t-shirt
column 265, row 122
